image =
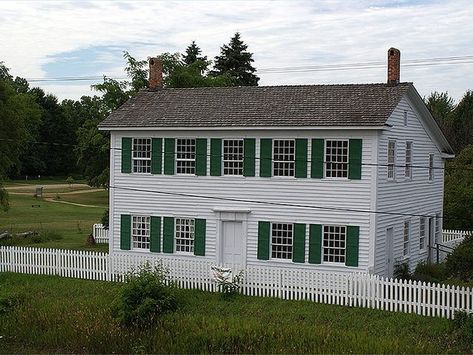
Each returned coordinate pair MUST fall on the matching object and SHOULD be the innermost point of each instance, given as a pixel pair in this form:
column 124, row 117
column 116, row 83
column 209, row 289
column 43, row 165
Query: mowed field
column 65, row 214
column 47, row 314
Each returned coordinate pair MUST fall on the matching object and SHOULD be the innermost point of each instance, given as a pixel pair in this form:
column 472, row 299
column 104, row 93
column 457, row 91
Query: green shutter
column 156, row 155
column 315, row 243
column 301, row 158
column 317, row 159
column 199, row 237
column 201, row 156
column 125, row 232
column 354, row 166
column 298, row 253
column 353, row 237
column 249, row 157
column 168, row 234
column 169, row 158
column 155, row 234
column 215, row 157
column 263, row 240
column 126, row 155
column 266, row 155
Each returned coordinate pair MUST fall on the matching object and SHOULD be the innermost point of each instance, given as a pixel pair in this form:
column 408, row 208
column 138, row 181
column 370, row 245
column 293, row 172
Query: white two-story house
column 323, row 177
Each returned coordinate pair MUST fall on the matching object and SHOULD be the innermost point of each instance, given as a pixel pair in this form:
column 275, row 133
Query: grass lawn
column 43, row 314
column 96, row 198
column 71, row 223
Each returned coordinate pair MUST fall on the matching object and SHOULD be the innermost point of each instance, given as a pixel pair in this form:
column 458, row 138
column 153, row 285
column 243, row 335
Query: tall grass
column 74, row 316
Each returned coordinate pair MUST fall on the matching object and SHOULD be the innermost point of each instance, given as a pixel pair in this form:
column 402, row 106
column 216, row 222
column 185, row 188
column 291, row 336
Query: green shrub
column 9, row 301
column 146, row 296
column 430, row 272
column 459, row 263
column 401, row 271
column 463, row 326
column 104, row 220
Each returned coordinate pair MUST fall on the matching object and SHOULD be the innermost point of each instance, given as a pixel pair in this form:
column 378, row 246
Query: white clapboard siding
column 355, row 289
column 100, row 233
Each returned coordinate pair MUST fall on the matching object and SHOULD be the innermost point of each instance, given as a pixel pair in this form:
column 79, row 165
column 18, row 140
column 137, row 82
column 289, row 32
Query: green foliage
column 430, row 272
column 463, row 326
column 35, row 238
column 227, row 283
column 104, row 220
column 401, row 271
column 9, row 301
column 459, row 191
column 4, row 199
column 145, row 297
column 193, row 54
column 459, row 263
column 236, row 61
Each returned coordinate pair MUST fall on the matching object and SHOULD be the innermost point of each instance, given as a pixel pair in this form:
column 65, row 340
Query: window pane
column 283, row 157
column 140, row 232
column 281, row 240
column 336, row 159
column 233, row 156
column 185, row 156
column 391, row 159
column 334, row 244
column 184, row 235
column 141, row 155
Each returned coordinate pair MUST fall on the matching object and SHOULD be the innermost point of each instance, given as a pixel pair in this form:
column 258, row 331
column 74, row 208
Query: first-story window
column 184, row 235
column 140, row 232
column 391, row 159
column 336, row 158
column 185, row 156
column 283, row 157
column 233, row 157
column 431, row 167
column 408, row 167
column 141, row 155
column 405, row 244
column 422, row 233
column 281, row 240
column 334, row 243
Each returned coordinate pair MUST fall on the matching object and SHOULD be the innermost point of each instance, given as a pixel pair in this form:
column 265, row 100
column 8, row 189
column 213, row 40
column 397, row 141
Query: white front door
column 389, row 253
column 233, row 244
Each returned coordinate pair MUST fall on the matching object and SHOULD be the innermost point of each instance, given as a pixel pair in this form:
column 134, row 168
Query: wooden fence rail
column 349, row 289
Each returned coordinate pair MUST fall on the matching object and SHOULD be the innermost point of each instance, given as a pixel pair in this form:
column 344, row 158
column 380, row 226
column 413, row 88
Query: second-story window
column 141, row 155
column 336, row 158
column 283, row 157
column 391, row 159
column 408, row 167
column 185, row 156
column 233, row 157
column 431, row 167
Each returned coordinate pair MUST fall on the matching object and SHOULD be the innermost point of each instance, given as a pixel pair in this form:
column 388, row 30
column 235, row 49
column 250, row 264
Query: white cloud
column 280, row 33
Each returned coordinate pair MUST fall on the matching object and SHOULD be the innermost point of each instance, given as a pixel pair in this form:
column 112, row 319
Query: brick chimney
column 394, row 66
column 155, row 73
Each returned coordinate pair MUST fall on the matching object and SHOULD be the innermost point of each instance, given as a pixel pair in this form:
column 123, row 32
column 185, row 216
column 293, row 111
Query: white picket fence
column 349, row 289
column 100, row 233
column 450, row 235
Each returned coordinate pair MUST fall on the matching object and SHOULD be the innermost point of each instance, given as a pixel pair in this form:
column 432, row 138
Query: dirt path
column 46, row 186
column 70, row 203
column 60, row 193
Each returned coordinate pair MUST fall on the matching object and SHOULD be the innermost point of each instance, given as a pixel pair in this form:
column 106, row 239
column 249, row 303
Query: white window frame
column 236, row 159
column 406, row 236
column 282, row 248
column 184, row 231
column 327, row 249
column 344, row 164
column 286, row 163
column 137, row 159
column 431, row 166
column 408, row 165
column 422, row 233
column 140, row 232
column 185, row 160
column 391, row 172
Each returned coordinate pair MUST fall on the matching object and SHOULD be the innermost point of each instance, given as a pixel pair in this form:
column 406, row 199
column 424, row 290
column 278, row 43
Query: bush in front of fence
column 146, row 296
column 430, row 272
column 459, row 263
column 463, row 326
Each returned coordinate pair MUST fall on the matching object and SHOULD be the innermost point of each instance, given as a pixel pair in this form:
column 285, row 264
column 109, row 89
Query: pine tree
column 236, row 61
column 193, row 54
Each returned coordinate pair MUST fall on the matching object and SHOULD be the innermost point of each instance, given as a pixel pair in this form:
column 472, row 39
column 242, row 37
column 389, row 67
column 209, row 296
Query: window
column 336, row 158
column 431, row 167
column 283, row 157
column 391, row 159
column 184, row 235
column 233, row 157
column 405, row 245
column 334, row 243
column 140, row 232
column 422, row 233
column 405, row 118
column 437, row 228
column 408, row 172
column 281, row 240
column 185, row 156
column 141, row 155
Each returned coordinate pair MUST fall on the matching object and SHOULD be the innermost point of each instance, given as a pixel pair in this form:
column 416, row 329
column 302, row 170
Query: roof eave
column 244, row 128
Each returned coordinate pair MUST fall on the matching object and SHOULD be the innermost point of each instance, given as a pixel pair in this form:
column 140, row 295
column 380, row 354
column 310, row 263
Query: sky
column 50, row 39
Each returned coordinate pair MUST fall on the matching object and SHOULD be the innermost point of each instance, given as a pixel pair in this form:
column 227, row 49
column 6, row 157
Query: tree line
column 41, row 136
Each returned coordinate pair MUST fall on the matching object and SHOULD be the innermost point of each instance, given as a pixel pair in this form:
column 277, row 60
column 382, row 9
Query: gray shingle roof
column 260, row 106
